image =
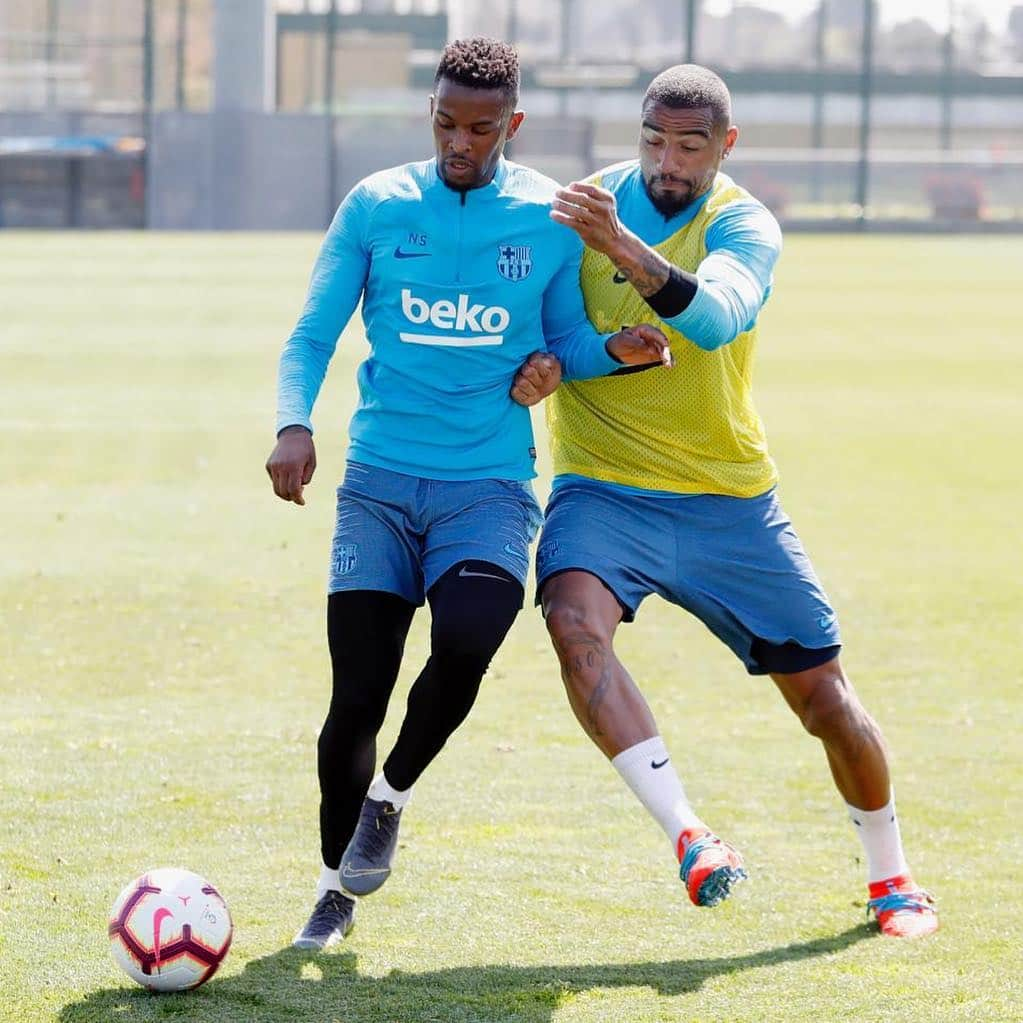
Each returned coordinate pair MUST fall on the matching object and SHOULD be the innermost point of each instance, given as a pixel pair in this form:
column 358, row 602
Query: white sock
column 382, row 791
column 330, row 881
column 652, row 778
column 879, row 833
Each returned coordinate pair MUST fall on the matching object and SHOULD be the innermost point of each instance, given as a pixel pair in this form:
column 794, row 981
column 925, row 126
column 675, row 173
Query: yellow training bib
column 691, row 429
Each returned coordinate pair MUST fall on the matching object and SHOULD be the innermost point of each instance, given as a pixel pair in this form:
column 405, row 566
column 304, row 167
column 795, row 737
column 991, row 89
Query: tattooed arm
column 593, row 214
column 710, row 307
column 643, row 267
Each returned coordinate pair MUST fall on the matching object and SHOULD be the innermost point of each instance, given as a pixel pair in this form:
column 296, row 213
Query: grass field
column 163, row 673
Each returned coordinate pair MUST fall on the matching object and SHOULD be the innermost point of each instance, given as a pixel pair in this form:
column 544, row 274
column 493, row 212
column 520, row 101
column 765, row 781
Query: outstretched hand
column 292, row 463
column 641, row 345
column 591, row 212
column 537, row 377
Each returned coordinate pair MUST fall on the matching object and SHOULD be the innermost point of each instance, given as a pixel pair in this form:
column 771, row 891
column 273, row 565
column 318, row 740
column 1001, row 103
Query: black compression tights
column 473, row 605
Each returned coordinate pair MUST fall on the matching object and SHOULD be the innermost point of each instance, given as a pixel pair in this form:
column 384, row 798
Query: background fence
column 240, row 114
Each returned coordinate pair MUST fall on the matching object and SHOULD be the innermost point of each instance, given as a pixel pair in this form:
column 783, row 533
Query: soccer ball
column 169, row 930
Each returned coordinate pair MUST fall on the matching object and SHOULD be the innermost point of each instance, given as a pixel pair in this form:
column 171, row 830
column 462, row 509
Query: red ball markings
column 160, row 956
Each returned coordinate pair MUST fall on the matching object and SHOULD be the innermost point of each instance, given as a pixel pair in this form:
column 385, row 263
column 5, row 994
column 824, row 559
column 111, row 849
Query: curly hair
column 688, row 86
column 481, row 63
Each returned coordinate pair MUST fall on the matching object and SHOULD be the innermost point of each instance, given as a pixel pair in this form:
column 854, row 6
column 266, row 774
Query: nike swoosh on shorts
column 464, row 573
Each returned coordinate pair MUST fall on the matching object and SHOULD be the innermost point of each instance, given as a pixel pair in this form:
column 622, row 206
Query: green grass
column 163, row 672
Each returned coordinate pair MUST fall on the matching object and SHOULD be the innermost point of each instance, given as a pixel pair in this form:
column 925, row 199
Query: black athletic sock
column 474, row 604
column 366, row 631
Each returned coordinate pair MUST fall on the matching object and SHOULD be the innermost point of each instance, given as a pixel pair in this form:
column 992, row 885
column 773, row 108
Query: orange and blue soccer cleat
column 903, row 909
column 709, row 867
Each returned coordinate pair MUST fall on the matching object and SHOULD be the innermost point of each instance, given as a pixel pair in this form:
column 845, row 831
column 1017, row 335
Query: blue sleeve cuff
column 590, row 360
column 605, row 362
column 702, row 321
column 284, row 420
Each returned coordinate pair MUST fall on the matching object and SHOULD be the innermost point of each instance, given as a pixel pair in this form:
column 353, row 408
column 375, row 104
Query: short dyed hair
column 689, row 87
column 481, row 63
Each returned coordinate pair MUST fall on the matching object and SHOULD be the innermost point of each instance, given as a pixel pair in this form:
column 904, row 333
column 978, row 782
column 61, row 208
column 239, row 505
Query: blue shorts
column 736, row 563
column 400, row 534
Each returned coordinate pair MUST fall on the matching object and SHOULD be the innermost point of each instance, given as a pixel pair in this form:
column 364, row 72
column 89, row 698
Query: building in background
column 245, row 114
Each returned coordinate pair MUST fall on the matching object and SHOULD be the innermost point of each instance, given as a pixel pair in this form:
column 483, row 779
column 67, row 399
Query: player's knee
column 460, row 643
column 472, row 613
column 355, row 711
column 834, row 714
column 330, row 741
column 469, row 635
column 574, row 627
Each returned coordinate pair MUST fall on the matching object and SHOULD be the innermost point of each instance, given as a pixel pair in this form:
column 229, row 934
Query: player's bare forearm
column 643, row 267
column 592, row 212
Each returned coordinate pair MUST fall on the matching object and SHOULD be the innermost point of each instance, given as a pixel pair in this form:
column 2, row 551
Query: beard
column 462, row 179
column 673, row 201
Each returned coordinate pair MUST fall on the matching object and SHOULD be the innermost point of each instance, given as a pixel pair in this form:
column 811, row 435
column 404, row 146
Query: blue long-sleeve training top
column 457, row 288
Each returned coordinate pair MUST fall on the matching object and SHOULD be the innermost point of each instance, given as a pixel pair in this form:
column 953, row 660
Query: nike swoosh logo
column 158, row 917
column 513, row 551
column 348, row 871
column 464, row 573
column 399, row 254
column 619, row 279
column 655, row 765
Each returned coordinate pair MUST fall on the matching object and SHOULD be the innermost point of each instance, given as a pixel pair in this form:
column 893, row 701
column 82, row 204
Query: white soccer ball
column 169, row 930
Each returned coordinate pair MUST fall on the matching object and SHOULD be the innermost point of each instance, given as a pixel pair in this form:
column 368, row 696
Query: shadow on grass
column 292, row 985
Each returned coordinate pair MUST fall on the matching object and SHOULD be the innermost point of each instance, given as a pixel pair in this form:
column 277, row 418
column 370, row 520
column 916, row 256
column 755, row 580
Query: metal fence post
column 179, row 55
column 328, row 100
column 566, row 49
column 817, row 127
column 948, row 70
column 147, row 106
column 866, row 93
column 52, row 30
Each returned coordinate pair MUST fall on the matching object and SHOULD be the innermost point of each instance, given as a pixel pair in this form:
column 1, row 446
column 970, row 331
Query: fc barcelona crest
column 346, row 557
column 515, row 261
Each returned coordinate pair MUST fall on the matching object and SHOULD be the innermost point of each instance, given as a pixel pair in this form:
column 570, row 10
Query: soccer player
column 462, row 274
column 682, row 457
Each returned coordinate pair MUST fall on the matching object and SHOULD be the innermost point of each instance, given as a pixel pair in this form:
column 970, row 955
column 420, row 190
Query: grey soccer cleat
column 331, row 920
column 366, row 863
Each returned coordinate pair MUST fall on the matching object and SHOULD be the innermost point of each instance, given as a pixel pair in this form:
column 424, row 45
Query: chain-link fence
column 852, row 113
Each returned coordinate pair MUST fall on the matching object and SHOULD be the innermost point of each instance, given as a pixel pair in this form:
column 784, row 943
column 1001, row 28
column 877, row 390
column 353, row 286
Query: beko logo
column 476, row 324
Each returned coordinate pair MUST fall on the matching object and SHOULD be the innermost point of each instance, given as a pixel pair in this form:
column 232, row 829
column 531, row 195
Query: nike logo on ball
column 399, row 253
column 655, row 765
column 159, row 916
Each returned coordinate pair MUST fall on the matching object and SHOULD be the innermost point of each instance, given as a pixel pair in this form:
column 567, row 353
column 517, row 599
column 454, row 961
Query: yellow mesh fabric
column 690, row 429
